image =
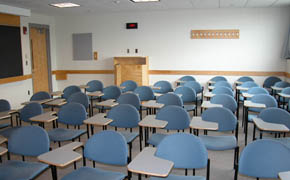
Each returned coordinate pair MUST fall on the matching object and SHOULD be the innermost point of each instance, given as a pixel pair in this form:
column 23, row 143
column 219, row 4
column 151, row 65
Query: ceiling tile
column 205, row 3
column 260, row 3
column 281, row 3
column 232, row 3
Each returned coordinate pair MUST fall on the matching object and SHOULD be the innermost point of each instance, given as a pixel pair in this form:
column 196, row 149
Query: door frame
column 48, row 52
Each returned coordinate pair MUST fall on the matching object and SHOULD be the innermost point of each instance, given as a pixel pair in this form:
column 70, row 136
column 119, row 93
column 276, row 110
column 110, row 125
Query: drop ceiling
column 109, row 6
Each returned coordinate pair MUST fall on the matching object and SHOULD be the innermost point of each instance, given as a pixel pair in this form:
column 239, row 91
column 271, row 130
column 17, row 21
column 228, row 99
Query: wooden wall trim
column 15, row 79
column 224, row 73
column 62, row 74
column 9, row 20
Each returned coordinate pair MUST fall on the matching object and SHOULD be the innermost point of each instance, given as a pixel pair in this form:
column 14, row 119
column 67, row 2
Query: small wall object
column 215, row 34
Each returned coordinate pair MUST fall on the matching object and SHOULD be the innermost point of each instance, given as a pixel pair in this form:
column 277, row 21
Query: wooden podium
column 131, row 68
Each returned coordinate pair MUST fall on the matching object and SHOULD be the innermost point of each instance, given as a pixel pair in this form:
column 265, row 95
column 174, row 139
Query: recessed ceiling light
column 144, row 1
column 65, row 5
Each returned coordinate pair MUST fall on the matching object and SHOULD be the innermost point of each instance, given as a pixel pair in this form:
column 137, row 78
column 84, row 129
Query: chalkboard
column 10, row 52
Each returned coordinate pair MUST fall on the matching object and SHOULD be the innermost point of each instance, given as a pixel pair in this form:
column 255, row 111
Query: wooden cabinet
column 131, row 68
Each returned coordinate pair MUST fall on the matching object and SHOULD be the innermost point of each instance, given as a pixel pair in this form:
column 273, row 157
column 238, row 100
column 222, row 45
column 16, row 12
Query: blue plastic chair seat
column 129, row 136
column 21, row 170
column 219, row 143
column 156, row 138
column 7, row 132
column 189, row 107
column 251, row 117
column 176, row 177
column 61, row 134
column 87, row 173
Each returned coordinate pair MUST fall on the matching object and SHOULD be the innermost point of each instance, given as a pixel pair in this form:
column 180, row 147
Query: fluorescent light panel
column 65, row 5
column 144, row 1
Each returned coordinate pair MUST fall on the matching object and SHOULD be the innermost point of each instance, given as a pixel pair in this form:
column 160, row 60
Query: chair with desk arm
column 129, row 86
column 126, row 116
column 270, row 81
column 41, row 95
column 165, row 87
column 25, row 141
column 70, row 114
column 264, row 159
column 5, row 107
column 95, row 85
column 105, row 147
column 68, row 91
column 185, row 79
column 81, row 98
column 223, row 90
column 186, row 151
column 198, row 89
column 28, row 111
column 227, row 122
column 177, row 118
column 188, row 97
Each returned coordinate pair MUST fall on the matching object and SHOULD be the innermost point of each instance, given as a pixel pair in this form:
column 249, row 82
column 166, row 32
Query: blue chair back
column 218, row 78
column 164, row 85
column 223, row 90
column 29, row 141
column 72, row 114
column 264, row 159
column 187, row 78
column 184, row 150
column 275, row 115
column 195, row 86
column 285, row 91
column 176, row 116
column 68, row 91
column 95, row 85
column 30, row 110
column 4, row 105
column 226, row 100
column 130, row 98
column 129, row 85
column 249, row 84
column 145, row 93
column 245, row 79
column 111, row 92
column 266, row 99
column 226, row 120
column 188, row 94
column 40, row 96
column 257, row 90
column 282, row 84
column 124, row 116
column 270, row 81
column 81, row 98
column 108, row 147
column 170, row 99
column 223, row 83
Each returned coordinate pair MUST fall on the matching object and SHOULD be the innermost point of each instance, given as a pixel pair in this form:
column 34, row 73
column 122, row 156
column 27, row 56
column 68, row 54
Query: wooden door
column 39, row 59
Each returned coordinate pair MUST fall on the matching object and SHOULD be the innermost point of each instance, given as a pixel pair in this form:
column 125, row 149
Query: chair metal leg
column 208, row 169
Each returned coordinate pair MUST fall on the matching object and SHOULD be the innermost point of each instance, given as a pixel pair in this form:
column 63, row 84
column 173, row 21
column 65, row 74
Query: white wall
column 17, row 92
column 165, row 38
